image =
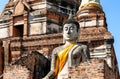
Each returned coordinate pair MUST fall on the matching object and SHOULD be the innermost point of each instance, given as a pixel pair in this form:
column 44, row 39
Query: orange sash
column 61, row 59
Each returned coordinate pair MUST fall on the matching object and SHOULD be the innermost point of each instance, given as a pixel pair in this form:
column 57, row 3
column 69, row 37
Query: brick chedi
column 35, row 20
column 94, row 31
column 36, row 25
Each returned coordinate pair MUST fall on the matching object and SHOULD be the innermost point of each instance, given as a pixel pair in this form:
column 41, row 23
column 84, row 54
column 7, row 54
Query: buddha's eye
column 71, row 28
column 66, row 28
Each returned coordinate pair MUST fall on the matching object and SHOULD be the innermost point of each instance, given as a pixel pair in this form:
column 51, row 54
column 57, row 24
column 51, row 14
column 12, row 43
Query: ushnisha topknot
column 72, row 20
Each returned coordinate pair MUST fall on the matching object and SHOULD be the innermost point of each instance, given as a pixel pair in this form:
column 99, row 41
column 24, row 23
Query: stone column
column 25, row 31
column 11, row 26
column 6, row 45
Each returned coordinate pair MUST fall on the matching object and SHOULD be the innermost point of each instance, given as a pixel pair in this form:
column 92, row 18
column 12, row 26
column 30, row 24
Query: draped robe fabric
column 62, row 58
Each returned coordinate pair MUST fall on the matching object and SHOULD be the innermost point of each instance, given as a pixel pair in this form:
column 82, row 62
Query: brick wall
column 30, row 65
column 109, row 73
column 93, row 69
column 16, row 72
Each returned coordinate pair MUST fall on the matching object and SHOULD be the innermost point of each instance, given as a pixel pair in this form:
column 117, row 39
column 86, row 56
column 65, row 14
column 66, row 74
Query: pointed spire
column 70, row 16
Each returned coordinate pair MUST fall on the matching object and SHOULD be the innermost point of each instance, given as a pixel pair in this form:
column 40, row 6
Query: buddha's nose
column 68, row 31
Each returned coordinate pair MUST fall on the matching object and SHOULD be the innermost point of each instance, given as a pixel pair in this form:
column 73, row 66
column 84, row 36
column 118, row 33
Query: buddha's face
column 70, row 32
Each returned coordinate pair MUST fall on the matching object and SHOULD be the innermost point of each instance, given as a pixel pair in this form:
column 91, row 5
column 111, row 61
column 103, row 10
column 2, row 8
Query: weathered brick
column 93, row 69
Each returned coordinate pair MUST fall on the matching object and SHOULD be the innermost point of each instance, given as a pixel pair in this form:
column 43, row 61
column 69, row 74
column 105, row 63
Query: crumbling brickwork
column 16, row 72
column 109, row 73
column 30, row 65
column 93, row 69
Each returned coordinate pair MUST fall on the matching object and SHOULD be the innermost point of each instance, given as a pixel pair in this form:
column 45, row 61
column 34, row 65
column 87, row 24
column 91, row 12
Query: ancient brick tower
column 27, row 25
column 94, row 31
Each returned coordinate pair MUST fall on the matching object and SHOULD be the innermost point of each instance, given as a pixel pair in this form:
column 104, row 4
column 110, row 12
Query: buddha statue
column 68, row 55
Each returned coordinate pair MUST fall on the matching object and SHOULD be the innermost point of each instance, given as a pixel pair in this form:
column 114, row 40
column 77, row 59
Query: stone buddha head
column 71, row 30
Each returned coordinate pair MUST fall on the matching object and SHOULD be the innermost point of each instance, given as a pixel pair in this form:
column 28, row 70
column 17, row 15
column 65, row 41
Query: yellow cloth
column 91, row 5
column 61, row 59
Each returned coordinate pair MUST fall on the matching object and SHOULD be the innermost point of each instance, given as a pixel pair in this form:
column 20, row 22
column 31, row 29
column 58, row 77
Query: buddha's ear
column 63, row 41
column 62, row 32
column 78, row 31
column 78, row 35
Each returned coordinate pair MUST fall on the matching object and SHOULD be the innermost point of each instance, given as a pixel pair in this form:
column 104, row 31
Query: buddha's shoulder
column 81, row 46
column 58, row 49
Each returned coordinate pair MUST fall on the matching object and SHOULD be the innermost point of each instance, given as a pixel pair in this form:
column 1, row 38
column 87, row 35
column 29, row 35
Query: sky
column 112, row 12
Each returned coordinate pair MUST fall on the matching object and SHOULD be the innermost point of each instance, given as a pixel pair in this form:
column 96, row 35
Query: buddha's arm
column 81, row 50
column 50, row 75
column 86, row 52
